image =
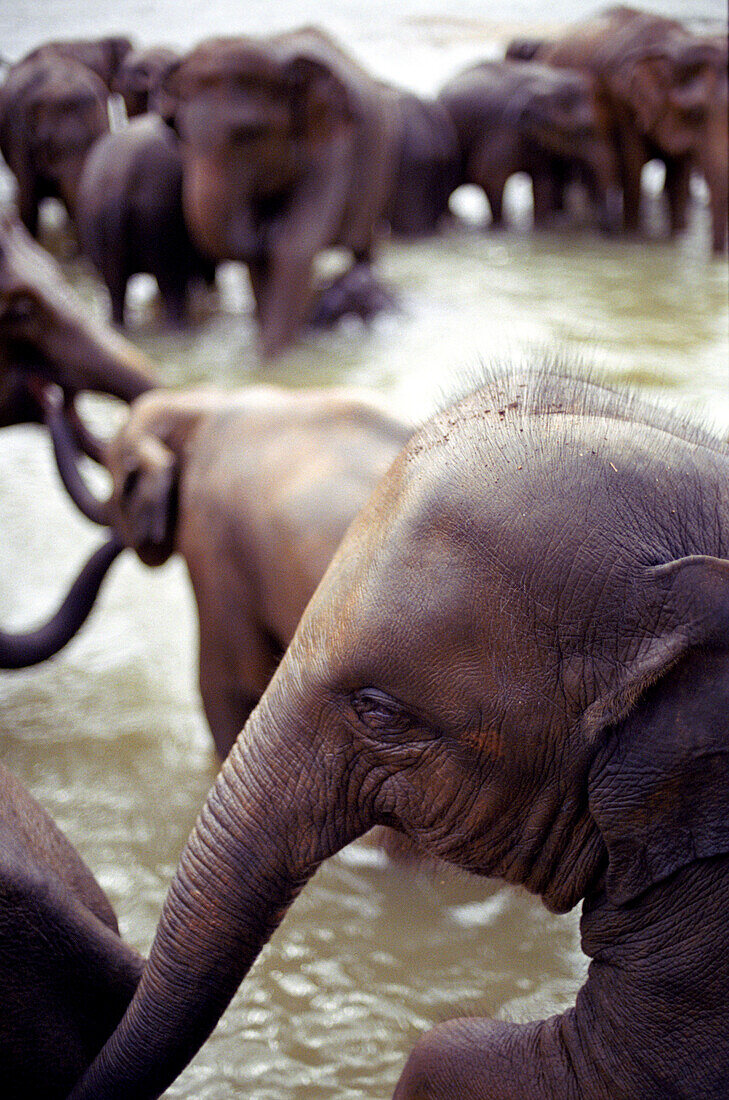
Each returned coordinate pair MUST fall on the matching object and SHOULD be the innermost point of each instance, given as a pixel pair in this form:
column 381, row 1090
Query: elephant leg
column 116, row 283
column 173, row 289
column 495, row 194
column 632, row 157
column 478, row 1059
column 234, row 673
column 678, row 181
column 547, row 197
column 283, row 298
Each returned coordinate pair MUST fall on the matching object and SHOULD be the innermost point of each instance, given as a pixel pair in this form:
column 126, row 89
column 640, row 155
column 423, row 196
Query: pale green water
column 110, row 737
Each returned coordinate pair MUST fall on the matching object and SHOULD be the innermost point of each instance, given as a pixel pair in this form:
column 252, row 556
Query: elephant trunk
column 21, row 650
column 277, row 810
column 64, row 435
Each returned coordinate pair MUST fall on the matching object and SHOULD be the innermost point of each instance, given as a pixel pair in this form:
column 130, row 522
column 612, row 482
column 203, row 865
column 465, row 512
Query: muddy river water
column 110, row 735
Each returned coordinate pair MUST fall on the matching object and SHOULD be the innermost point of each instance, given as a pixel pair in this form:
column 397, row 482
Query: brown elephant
column 139, row 75
column 129, row 216
column 518, row 657
column 665, row 90
column 517, row 116
column 291, row 148
column 255, row 489
column 66, row 976
column 52, row 110
column 104, row 56
column 50, row 344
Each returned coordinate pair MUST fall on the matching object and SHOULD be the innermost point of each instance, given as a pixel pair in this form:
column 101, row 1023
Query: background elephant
column 513, row 116
column 427, row 170
column 517, row 657
column 51, row 349
column 665, row 91
column 52, row 110
column 48, row 333
column 255, row 488
column 129, row 216
column 139, row 75
column 66, row 976
column 104, row 56
column 289, row 148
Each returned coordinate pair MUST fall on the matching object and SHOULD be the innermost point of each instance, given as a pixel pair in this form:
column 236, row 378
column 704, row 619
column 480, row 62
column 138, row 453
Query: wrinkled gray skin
column 52, row 110
column 129, row 216
column 255, row 488
column 517, row 116
column 519, row 657
column 66, row 976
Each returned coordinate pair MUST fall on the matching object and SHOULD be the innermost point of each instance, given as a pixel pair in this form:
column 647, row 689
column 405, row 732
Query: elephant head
column 517, row 658
column 104, row 56
column 139, row 75
column 48, row 332
column 252, row 114
column 51, row 349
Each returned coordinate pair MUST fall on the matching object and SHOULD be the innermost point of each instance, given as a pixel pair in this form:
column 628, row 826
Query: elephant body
column 664, row 90
column 129, row 215
column 66, row 976
column 255, row 489
column 516, row 116
column 104, row 56
column 519, row 658
column 52, row 110
column 291, row 148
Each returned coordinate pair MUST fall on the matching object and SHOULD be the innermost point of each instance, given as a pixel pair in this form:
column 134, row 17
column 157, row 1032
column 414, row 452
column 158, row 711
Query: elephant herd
column 502, row 633
column 269, row 151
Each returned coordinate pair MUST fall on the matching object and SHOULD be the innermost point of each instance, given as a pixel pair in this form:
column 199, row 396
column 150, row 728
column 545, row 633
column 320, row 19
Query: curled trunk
column 67, row 435
column 21, row 650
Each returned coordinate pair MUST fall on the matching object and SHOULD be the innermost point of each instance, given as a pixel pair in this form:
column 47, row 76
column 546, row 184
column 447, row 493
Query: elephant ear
column 164, row 97
column 321, row 100
column 643, row 84
column 659, row 782
column 147, row 499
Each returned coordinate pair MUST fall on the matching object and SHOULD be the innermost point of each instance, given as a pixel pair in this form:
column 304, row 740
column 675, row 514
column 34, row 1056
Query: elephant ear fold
column 659, row 780
column 643, row 84
column 321, row 100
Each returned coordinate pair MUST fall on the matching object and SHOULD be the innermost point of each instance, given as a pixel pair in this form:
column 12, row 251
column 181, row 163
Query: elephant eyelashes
column 380, row 712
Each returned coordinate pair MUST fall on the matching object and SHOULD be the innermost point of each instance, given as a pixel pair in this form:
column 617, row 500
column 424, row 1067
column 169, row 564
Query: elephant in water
column 66, row 975
column 51, row 345
column 519, row 657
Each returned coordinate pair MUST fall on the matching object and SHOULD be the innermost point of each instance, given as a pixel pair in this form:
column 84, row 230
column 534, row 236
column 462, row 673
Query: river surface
column 110, row 737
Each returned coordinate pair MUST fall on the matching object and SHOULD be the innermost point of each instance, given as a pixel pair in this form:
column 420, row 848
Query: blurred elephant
column 104, row 56
column 66, row 976
column 52, row 110
column 49, row 342
column 46, row 331
column 255, row 488
column 129, row 215
column 427, row 168
column 139, row 75
column 291, row 148
column 519, row 657
column 513, row 116
column 665, row 90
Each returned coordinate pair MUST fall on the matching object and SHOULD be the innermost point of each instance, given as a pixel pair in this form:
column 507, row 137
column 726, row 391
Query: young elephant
column 514, row 116
column 129, row 215
column 66, row 976
column 255, row 489
column 52, row 110
column 519, row 657
column 664, row 91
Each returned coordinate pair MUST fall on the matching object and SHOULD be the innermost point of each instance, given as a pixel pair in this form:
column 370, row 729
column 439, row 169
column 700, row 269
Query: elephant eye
column 381, row 712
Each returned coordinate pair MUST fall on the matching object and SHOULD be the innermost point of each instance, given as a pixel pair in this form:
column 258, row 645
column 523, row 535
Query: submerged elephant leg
column 678, row 180
column 34, row 646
